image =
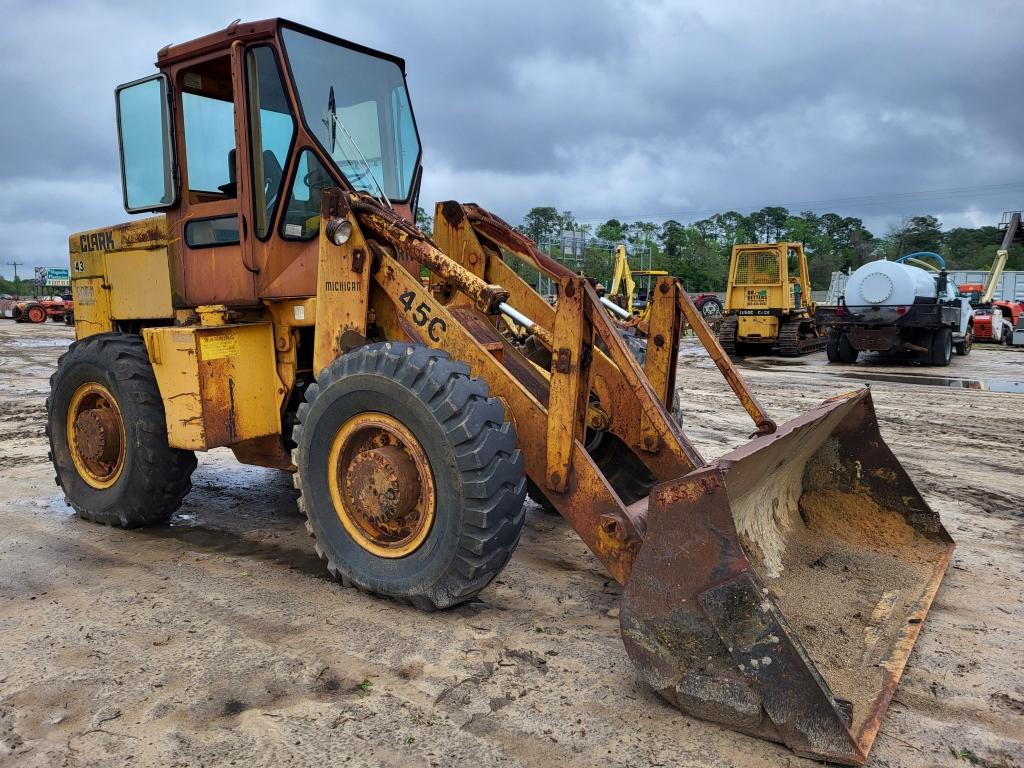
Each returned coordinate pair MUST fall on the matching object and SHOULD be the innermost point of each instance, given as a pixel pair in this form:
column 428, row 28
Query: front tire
column 963, row 348
column 108, row 435
column 389, row 417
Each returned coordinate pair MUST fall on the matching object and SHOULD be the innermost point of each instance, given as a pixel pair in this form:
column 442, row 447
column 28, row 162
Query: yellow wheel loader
column 768, row 304
column 274, row 305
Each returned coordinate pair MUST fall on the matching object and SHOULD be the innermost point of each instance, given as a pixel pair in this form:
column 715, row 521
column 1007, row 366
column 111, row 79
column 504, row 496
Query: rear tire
column 839, row 350
column 35, row 314
column 475, row 472
column 942, row 347
column 152, row 478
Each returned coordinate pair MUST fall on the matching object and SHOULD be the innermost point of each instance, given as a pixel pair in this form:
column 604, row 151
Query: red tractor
column 34, row 310
column 995, row 320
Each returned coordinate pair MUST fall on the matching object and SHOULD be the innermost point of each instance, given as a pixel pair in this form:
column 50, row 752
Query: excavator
column 623, row 291
column 271, row 302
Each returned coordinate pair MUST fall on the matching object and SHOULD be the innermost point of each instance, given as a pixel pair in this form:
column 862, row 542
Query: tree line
column 699, row 252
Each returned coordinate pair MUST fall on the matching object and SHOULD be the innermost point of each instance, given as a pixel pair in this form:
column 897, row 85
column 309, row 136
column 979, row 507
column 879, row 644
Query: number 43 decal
column 435, row 326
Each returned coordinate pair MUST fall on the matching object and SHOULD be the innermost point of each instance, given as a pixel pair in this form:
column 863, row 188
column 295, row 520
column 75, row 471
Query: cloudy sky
column 648, row 110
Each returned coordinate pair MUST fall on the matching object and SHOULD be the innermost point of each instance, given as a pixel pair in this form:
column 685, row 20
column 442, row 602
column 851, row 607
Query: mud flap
column 780, row 590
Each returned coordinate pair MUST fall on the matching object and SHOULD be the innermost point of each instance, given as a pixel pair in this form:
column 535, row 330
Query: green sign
column 58, row 278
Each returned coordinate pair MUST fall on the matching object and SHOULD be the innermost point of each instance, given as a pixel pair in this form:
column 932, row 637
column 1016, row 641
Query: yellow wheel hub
column 96, row 435
column 381, row 485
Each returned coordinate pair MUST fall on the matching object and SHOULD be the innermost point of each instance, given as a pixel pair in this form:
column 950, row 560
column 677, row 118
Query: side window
column 404, row 133
column 302, row 216
column 147, row 155
column 271, row 129
column 209, row 143
column 207, row 233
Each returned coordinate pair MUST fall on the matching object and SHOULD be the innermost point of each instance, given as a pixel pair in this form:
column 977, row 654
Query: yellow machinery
column 274, row 306
column 623, row 291
column 768, row 304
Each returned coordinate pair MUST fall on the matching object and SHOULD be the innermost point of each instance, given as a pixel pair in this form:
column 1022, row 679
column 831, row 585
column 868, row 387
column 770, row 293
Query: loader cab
column 238, row 135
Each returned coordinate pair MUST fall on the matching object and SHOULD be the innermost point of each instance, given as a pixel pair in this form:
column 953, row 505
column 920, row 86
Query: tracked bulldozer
column 768, row 304
column 274, row 305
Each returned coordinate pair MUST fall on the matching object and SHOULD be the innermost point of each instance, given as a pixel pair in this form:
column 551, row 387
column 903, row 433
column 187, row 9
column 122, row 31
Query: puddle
column 820, row 365
column 982, row 385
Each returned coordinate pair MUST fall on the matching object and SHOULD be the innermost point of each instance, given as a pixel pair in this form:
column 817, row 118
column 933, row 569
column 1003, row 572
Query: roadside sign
column 58, row 278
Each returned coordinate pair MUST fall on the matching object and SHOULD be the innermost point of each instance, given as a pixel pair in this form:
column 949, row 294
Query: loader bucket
column 779, row 590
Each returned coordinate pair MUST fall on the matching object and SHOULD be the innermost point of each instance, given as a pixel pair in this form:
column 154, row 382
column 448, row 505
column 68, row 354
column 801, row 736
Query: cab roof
column 254, row 30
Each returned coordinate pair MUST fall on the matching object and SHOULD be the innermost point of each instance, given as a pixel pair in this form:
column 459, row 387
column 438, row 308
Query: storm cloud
column 626, row 109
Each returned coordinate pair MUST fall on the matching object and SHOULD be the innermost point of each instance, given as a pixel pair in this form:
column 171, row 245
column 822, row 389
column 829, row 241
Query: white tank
column 886, row 283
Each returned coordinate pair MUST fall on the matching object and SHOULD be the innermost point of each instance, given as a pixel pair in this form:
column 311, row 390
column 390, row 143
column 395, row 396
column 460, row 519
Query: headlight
column 339, row 230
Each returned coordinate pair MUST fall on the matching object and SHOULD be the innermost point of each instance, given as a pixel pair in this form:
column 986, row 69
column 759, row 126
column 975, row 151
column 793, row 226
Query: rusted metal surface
column 268, row 451
column 343, row 286
column 570, row 383
column 811, row 521
column 620, row 401
column 612, row 531
column 381, row 484
column 395, row 230
column 662, row 352
column 765, row 425
column 97, row 438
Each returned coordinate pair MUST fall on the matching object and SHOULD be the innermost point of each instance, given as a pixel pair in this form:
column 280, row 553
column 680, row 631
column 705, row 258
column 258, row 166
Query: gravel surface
column 218, row 640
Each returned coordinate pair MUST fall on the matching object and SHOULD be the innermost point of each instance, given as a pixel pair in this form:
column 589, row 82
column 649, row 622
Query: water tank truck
column 905, row 307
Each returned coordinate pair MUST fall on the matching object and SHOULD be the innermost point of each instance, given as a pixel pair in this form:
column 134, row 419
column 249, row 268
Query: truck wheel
column 839, row 350
column 942, row 346
column 1007, row 334
column 963, row 348
column 108, row 436
column 411, row 479
column 710, row 307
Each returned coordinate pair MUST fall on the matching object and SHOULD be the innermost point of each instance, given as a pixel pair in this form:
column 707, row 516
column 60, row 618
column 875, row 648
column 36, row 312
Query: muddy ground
column 219, row 641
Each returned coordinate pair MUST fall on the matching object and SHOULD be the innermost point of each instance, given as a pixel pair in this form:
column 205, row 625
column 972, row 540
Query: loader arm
column 724, row 564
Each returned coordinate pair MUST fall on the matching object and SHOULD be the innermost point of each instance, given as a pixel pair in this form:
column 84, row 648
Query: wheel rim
column 381, row 485
column 96, row 435
column 36, row 315
column 711, row 309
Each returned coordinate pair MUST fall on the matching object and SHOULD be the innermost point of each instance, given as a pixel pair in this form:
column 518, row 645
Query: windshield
column 357, row 107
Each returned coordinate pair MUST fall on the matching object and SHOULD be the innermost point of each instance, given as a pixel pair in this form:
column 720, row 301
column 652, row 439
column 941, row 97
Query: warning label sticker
column 215, row 347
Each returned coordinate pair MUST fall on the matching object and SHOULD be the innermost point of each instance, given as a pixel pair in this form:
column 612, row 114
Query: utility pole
column 17, row 285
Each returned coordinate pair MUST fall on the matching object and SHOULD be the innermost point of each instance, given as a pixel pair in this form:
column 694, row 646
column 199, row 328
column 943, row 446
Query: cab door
column 210, row 226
